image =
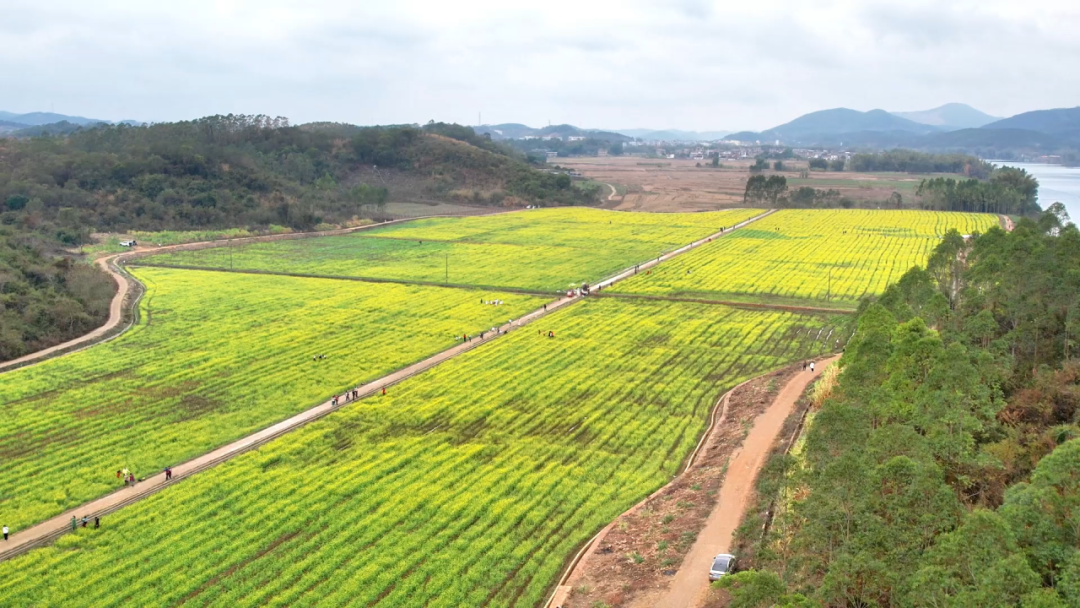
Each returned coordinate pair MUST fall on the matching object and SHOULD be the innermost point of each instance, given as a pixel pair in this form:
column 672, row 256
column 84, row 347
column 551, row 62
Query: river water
column 1056, row 184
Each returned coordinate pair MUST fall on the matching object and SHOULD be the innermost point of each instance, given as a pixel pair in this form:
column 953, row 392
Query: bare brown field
column 677, row 185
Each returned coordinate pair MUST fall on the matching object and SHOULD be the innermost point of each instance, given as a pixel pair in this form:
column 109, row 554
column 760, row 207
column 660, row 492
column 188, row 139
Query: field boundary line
column 332, row 277
column 55, row 527
column 112, row 264
column 735, row 304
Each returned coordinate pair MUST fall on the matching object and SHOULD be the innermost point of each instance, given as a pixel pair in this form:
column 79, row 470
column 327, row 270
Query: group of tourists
column 74, row 523
column 347, row 396
column 809, row 365
column 492, row 302
column 317, row 357
column 127, row 476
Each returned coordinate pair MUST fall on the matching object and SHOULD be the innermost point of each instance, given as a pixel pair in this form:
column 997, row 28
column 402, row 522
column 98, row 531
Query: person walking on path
column 5, row 532
column 811, row 367
column 168, row 473
column 73, row 524
column 97, row 522
column 85, row 520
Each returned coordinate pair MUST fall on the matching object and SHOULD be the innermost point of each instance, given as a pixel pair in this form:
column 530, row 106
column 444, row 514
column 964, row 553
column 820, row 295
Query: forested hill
column 218, row 172
column 944, row 470
column 226, row 171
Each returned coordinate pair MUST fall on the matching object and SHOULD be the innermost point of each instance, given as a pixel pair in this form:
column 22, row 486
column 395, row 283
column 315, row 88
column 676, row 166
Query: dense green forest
column 1009, row 190
column 219, row 172
column 229, row 171
column 910, row 161
column 944, row 470
column 45, row 298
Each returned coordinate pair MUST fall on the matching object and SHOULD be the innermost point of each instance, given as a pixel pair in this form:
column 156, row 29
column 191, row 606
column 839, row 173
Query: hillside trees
column 1009, row 191
column 944, row 470
column 910, row 161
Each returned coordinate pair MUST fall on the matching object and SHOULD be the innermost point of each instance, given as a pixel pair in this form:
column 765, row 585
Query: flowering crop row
column 543, row 249
column 470, row 485
column 214, row 357
column 835, row 255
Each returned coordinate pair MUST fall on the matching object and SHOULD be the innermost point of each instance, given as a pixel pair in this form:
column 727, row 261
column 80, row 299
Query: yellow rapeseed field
column 829, row 256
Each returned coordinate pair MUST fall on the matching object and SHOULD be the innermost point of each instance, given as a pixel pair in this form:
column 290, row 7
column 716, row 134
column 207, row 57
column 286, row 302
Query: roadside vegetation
column 470, row 485
column 942, row 471
column 46, row 297
column 544, row 249
column 214, row 357
column 813, row 257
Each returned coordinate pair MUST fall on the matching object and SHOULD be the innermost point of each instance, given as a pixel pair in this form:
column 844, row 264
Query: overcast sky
column 685, row 64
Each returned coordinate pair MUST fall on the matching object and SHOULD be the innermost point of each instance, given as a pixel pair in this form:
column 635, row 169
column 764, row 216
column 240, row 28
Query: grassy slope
column 545, row 249
column 470, row 485
column 215, row 357
column 863, row 250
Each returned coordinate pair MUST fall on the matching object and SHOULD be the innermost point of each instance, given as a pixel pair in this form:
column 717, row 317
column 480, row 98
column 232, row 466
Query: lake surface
column 1056, row 184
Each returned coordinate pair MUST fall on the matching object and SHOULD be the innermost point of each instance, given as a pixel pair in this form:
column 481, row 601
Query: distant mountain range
column 28, row 124
column 1042, row 131
column 673, row 134
column 950, row 117
column 520, row 131
column 515, row 130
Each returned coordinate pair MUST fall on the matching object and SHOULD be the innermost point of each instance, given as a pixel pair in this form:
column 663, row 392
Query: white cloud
column 683, row 64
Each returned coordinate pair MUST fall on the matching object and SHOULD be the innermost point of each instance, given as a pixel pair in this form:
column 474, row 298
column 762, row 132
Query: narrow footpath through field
column 690, row 585
column 51, row 529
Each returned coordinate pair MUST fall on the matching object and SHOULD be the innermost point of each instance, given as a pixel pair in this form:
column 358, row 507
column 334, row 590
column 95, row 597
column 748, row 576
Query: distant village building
column 575, row 138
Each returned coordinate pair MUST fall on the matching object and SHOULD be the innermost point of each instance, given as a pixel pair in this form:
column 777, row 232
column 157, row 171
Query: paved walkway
column 690, row 586
column 53, row 528
column 50, row 529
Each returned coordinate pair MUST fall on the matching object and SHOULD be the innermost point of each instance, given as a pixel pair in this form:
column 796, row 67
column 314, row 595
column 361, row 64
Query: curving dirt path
column 116, row 316
column 111, row 264
column 51, row 529
column 690, row 585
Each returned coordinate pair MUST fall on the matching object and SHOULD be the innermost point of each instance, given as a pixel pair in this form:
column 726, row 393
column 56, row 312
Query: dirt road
column 116, row 316
column 689, row 586
column 52, row 529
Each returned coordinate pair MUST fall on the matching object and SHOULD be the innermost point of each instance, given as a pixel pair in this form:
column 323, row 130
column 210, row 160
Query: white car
column 721, row 564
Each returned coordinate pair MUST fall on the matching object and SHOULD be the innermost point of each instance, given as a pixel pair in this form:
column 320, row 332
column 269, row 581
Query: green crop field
column 542, row 249
column 470, row 485
column 807, row 256
column 215, row 356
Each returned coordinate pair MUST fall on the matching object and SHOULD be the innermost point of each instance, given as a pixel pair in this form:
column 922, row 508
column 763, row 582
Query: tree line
column 1009, row 190
column 772, row 191
column 944, row 470
column 910, row 161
